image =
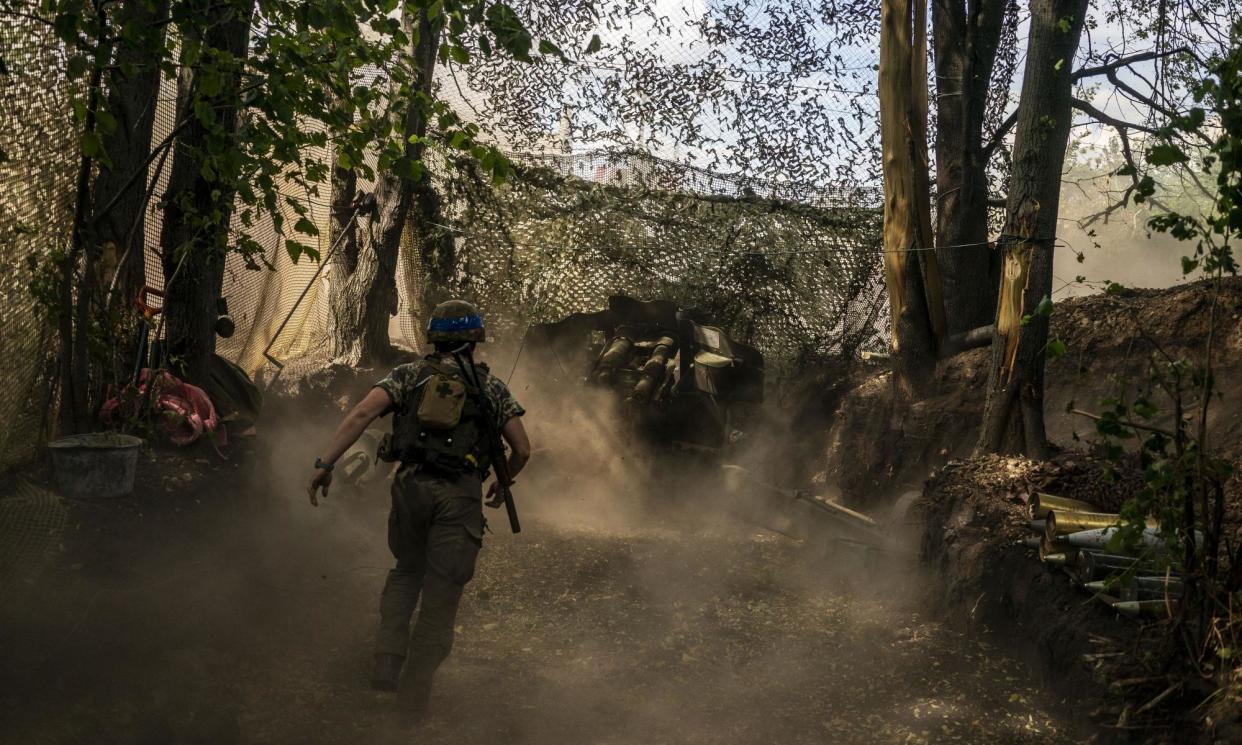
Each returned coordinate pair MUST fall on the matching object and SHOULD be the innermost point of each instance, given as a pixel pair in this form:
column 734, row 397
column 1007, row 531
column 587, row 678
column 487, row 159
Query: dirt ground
column 224, row 609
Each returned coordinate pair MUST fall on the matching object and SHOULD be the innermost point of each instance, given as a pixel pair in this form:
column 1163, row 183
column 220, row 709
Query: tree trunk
column 368, row 298
column 1013, row 420
column 437, row 250
column 78, row 291
column 966, row 36
column 910, row 268
column 343, row 241
column 198, row 211
column 120, row 192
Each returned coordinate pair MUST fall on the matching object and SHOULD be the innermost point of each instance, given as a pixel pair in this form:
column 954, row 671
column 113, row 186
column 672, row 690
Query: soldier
column 435, row 529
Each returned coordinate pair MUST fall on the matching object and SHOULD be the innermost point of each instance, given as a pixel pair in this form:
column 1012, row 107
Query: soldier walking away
column 449, row 414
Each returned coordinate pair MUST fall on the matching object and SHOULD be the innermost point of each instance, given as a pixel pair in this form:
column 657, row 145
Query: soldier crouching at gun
column 449, row 417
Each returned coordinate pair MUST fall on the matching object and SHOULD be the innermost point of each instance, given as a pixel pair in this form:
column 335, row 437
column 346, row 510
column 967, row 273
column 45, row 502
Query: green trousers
column 435, row 530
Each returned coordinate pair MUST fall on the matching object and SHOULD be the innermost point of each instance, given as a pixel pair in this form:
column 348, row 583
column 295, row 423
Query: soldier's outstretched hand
column 321, row 479
column 495, row 497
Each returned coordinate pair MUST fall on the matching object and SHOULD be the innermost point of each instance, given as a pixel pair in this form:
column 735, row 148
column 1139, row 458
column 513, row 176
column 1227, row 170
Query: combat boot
column 387, row 674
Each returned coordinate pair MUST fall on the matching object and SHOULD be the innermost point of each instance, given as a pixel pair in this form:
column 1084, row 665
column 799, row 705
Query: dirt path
column 252, row 624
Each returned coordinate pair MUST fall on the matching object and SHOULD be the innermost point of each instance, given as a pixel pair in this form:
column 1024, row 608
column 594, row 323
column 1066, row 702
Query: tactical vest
column 441, row 423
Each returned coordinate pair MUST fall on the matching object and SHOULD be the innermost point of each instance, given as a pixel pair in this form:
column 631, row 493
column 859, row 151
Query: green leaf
column 510, row 34
column 459, row 54
column 92, row 147
column 1144, row 408
column 408, row 168
column 1189, row 264
column 1166, row 154
column 1065, row 24
column 547, row 47
column 76, row 66
column 203, row 112
column 1056, row 349
column 594, row 45
column 1044, row 309
column 209, row 82
column 295, row 249
column 106, row 121
column 66, row 26
column 303, row 225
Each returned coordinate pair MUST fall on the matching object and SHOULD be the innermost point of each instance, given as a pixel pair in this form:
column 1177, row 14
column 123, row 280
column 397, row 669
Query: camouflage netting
column 801, row 282
column 798, row 281
column 36, row 208
column 791, row 266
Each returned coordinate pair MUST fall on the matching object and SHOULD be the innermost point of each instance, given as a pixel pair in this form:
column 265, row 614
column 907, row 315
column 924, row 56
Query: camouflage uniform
column 435, row 530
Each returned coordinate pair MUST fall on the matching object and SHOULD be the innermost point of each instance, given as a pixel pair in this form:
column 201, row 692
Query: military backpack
column 441, row 424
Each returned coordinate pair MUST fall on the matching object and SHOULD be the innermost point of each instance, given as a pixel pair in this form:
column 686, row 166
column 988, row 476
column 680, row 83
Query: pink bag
column 184, row 412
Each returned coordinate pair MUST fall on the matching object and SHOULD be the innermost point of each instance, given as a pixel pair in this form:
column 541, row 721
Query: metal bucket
column 95, row 466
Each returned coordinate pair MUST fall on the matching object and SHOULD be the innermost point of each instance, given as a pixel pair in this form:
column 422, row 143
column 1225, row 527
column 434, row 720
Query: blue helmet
column 455, row 320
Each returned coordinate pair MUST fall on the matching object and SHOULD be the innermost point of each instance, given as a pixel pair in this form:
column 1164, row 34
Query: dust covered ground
column 224, row 609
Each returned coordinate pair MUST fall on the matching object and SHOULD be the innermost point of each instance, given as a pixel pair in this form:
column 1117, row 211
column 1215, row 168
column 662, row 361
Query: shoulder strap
column 436, row 364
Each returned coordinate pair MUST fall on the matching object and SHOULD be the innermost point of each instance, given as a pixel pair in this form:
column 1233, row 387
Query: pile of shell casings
column 1070, row 534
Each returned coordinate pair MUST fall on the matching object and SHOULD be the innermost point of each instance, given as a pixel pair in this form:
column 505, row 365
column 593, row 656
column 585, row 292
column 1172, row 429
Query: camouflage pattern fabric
column 399, row 385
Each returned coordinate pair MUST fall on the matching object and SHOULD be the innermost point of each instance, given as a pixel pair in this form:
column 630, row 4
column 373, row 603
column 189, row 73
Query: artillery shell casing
column 1063, row 522
column 1144, row 608
column 1097, row 539
column 1135, row 591
column 1041, row 503
column 1068, row 554
column 1038, row 527
column 1094, row 566
column 1054, row 559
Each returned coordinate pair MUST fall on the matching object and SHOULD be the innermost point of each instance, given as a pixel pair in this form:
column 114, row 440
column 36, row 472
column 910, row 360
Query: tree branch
column 1127, row 423
column 1091, row 111
column 1128, row 155
column 999, row 136
column 1121, row 62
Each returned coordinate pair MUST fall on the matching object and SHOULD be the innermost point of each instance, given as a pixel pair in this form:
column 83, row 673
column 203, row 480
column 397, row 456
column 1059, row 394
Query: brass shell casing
column 1063, row 522
column 1041, row 503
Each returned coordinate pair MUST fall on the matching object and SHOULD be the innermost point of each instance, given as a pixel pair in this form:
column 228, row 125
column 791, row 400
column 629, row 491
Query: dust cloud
column 1114, row 248
column 644, row 602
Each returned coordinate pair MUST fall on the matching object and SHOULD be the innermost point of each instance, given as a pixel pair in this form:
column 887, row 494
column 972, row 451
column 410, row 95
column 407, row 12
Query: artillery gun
column 677, row 379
